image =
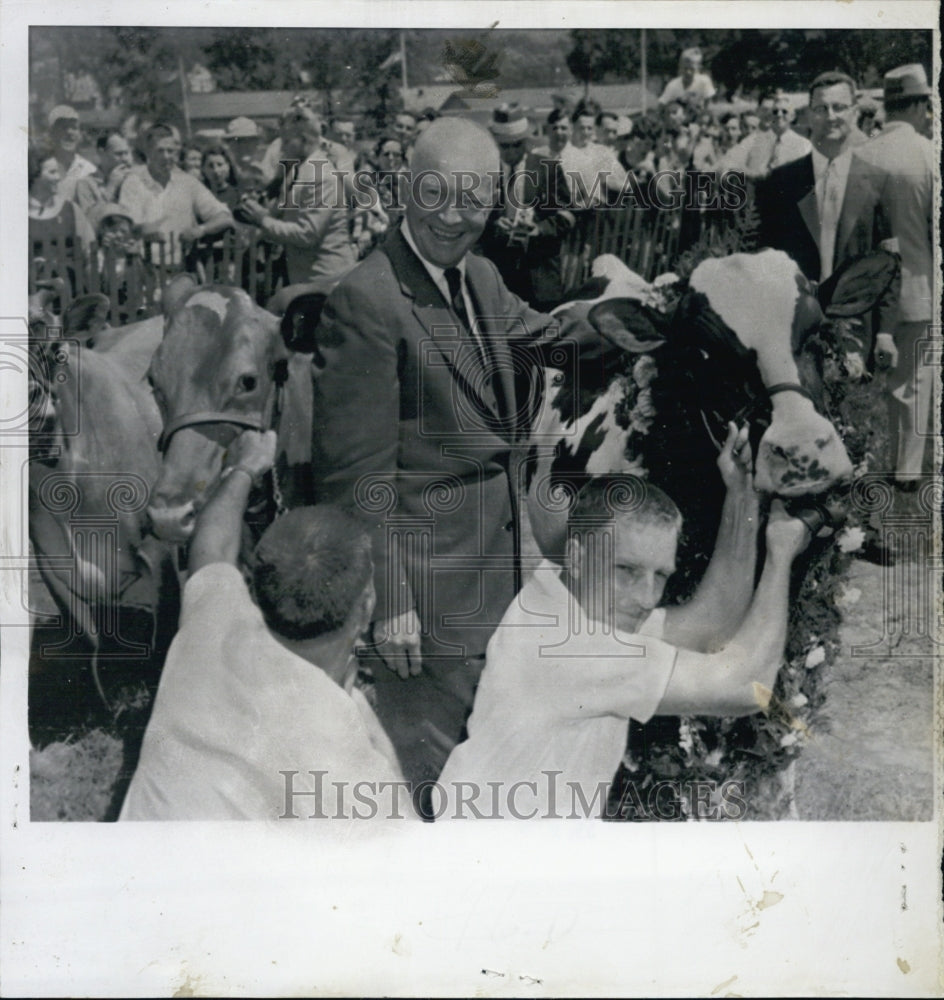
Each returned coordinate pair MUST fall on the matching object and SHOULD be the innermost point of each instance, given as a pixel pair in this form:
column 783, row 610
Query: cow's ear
column 855, row 287
column 301, row 321
column 86, row 315
column 628, row 324
column 175, row 293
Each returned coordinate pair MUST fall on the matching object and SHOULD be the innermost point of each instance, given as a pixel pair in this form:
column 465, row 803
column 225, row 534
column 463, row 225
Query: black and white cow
column 679, row 359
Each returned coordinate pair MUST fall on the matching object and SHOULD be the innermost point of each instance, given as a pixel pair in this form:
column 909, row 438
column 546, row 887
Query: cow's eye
column 246, row 383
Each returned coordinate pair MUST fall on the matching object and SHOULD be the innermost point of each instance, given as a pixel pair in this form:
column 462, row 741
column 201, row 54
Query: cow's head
column 221, row 356
column 761, row 304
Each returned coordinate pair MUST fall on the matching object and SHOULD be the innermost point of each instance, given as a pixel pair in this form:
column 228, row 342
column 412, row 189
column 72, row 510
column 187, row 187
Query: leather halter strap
column 208, row 417
column 788, row 387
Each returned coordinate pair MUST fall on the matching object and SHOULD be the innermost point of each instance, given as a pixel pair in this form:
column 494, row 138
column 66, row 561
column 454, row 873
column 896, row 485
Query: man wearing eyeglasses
column 766, row 149
column 822, row 209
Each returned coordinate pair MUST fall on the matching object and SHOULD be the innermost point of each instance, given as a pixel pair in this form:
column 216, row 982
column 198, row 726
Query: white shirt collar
column 438, row 274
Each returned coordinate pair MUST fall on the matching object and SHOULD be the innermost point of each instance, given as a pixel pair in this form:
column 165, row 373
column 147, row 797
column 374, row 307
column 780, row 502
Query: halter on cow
column 224, row 365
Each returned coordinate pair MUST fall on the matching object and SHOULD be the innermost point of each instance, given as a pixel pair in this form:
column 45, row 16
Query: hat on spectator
column 624, row 126
column 62, row 112
column 906, row 81
column 241, row 128
column 103, row 210
column 691, row 55
column 509, row 122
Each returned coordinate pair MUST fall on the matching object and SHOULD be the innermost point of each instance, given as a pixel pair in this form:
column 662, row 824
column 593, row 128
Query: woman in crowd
column 58, row 229
column 218, row 172
column 389, row 176
column 191, row 160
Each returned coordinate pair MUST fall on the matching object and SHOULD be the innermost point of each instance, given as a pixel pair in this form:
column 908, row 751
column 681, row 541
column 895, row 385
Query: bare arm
column 719, row 604
column 723, row 683
column 219, row 525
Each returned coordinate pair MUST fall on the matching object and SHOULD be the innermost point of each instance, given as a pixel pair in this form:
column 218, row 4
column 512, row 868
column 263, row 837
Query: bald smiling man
column 420, row 421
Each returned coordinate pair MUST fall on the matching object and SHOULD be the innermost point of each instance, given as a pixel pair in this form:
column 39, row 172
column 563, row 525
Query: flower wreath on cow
column 740, row 337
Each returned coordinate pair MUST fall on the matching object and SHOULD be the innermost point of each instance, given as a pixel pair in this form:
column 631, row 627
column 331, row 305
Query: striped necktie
column 829, row 220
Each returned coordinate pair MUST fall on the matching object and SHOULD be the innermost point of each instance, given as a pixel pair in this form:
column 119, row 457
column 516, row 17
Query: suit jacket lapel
column 435, row 316
column 479, row 280
column 855, row 203
column 806, row 203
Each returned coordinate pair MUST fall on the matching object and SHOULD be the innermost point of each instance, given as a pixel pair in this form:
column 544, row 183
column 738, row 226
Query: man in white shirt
column 168, row 203
column 766, row 149
column 64, row 137
column 257, row 716
column 904, row 159
column 581, row 652
column 592, row 169
column 691, row 85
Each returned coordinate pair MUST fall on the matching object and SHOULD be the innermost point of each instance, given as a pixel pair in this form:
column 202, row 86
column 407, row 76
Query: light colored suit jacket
column 903, row 162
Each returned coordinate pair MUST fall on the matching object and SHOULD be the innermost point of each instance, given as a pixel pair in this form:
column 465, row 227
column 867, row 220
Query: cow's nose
column 173, row 524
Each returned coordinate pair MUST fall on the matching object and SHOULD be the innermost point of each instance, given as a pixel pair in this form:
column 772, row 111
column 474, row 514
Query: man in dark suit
column 418, row 420
column 823, row 208
column 795, row 214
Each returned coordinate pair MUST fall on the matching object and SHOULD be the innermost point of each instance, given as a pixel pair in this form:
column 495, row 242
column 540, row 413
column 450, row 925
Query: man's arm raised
column 724, row 683
column 719, row 604
column 218, row 531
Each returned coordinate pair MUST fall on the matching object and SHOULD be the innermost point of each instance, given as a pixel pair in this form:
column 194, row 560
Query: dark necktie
column 457, row 301
column 456, row 298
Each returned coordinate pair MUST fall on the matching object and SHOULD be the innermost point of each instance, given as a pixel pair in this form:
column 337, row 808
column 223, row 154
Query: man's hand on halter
column 218, row 532
column 253, row 452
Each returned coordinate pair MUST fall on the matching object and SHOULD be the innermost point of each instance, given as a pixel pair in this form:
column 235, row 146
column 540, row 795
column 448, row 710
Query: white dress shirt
column 830, row 185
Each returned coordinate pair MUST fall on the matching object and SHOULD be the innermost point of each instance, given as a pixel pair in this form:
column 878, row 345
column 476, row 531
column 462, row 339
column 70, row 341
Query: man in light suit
column 418, row 422
column 823, row 208
column 903, row 158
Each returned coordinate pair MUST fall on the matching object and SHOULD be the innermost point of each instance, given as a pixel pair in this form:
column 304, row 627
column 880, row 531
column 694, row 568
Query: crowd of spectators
column 178, row 195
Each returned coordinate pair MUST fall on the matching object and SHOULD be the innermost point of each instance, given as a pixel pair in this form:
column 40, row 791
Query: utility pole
column 403, row 61
column 643, row 69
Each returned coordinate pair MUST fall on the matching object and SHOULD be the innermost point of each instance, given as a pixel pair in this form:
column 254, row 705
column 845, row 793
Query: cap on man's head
column 62, row 113
column 509, row 122
column 241, row 128
column 906, row 81
column 691, row 55
column 624, row 126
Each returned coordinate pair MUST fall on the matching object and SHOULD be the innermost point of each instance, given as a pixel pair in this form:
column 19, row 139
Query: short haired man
column 64, row 138
column 766, row 149
column 251, row 691
column 581, row 652
column 593, row 170
column 904, row 161
column 343, row 131
column 606, row 123
column 311, row 219
column 404, row 128
column 821, row 208
column 166, row 202
column 691, row 84
column 115, row 161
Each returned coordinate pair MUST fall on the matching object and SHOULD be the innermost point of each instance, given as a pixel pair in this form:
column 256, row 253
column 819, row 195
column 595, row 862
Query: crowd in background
column 157, row 193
